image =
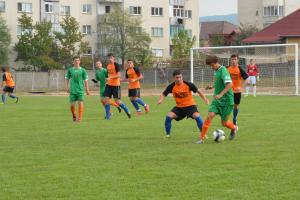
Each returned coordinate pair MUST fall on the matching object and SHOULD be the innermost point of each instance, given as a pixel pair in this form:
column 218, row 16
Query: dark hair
column 98, row 60
column 129, row 60
column 110, row 55
column 76, row 57
column 3, row 69
column 211, row 59
column 176, row 72
column 234, row 56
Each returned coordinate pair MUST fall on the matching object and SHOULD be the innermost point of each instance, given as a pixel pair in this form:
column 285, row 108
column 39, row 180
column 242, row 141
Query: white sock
column 247, row 90
column 254, row 90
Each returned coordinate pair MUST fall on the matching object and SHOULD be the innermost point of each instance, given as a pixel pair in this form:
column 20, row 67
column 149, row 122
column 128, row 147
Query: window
column 178, row 11
column 157, row 52
column 25, row 7
column 22, row 31
column 87, row 29
column 135, row 10
column 65, row 10
column 177, row 2
column 188, row 14
column 88, row 51
column 156, row 11
column 271, row 11
column 256, row 13
column 174, row 29
column 2, row 6
column 107, row 9
column 48, row 8
column 87, row 8
column 157, row 31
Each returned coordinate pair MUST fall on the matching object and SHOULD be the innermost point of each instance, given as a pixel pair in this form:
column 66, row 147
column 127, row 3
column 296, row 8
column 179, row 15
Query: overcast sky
column 217, row 7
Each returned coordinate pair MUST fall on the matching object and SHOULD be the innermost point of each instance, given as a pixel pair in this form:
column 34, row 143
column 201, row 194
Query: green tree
column 123, row 35
column 246, row 30
column 5, row 40
column 217, row 40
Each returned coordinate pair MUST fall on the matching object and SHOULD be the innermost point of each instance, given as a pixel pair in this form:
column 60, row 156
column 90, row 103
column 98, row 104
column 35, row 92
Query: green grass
column 44, row 155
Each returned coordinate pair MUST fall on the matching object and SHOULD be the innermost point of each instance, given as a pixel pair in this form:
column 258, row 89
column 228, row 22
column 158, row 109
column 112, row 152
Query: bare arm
column 67, row 85
column 203, row 97
column 86, row 84
column 226, row 89
column 161, row 99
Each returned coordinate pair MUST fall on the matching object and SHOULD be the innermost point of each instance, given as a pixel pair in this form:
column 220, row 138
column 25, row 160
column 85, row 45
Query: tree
column 124, row 36
column 182, row 43
column 69, row 40
column 5, row 40
column 217, row 40
column 246, row 30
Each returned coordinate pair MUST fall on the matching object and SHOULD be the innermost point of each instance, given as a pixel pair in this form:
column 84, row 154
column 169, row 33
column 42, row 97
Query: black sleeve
column 243, row 73
column 169, row 89
column 4, row 77
column 137, row 71
column 126, row 75
column 118, row 67
column 192, row 86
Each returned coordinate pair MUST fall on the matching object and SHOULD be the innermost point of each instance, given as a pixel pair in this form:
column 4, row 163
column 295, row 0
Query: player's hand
column 87, row 92
column 218, row 96
column 208, row 87
column 67, row 90
column 206, row 100
column 94, row 81
column 257, row 77
column 159, row 101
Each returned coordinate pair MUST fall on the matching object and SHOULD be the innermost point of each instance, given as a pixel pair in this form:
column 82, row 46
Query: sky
column 217, row 7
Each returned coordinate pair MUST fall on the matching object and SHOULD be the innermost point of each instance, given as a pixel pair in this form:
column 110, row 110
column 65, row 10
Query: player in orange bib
column 238, row 75
column 133, row 76
column 8, row 85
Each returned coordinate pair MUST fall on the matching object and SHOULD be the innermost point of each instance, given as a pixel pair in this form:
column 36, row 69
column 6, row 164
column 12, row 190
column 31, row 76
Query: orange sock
column 229, row 125
column 73, row 111
column 80, row 111
column 113, row 103
column 205, row 127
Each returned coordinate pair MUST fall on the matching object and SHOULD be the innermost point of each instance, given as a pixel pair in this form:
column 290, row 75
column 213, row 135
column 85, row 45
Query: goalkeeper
column 100, row 76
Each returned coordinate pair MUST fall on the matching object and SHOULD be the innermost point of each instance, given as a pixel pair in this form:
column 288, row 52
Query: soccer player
column 253, row 73
column 76, row 80
column 113, row 88
column 185, row 104
column 238, row 75
column 133, row 75
column 8, row 85
column 100, row 76
column 222, row 103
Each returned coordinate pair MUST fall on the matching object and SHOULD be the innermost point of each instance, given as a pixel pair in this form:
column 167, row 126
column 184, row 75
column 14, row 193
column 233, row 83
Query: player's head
column 252, row 61
column 76, row 61
column 111, row 57
column 3, row 69
column 130, row 63
column 234, row 59
column 212, row 61
column 177, row 76
column 98, row 64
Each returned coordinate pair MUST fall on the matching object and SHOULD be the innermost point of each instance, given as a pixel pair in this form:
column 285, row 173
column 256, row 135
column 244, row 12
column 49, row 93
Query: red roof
column 288, row 26
column 216, row 27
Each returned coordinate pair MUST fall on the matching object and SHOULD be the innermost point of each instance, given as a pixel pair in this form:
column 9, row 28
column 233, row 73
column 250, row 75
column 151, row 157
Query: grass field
column 44, row 155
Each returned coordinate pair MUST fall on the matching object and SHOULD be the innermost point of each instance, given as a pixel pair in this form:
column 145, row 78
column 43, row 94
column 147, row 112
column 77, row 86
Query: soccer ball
column 218, row 135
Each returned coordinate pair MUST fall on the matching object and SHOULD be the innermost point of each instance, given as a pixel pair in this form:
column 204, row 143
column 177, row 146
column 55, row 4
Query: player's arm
column 244, row 75
column 165, row 93
column 3, row 83
column 67, row 80
column 86, row 85
column 138, row 73
column 203, row 97
column 118, row 70
column 194, row 89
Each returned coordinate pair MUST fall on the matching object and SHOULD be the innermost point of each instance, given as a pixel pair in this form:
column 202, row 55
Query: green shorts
column 223, row 111
column 76, row 97
column 102, row 90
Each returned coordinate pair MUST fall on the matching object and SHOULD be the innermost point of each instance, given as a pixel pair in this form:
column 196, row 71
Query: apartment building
column 262, row 13
column 161, row 19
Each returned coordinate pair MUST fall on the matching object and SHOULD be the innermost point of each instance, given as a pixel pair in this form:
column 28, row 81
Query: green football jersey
column 76, row 76
column 222, row 77
column 101, row 76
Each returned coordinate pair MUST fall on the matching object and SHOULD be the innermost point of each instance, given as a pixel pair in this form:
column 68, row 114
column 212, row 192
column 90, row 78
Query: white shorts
column 252, row 80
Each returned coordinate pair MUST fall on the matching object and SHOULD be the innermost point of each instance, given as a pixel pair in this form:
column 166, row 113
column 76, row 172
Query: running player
column 76, row 80
column 8, row 85
column 223, row 99
column 185, row 104
column 253, row 73
column 133, row 76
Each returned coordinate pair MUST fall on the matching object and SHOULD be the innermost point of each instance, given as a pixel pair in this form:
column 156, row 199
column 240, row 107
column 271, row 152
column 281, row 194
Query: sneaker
column 234, row 122
column 147, row 108
column 17, row 100
column 128, row 115
column 233, row 133
column 200, row 141
column 119, row 109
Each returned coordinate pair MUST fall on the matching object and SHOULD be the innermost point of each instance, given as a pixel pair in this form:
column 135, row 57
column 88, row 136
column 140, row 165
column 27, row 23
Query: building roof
column 286, row 27
column 216, row 27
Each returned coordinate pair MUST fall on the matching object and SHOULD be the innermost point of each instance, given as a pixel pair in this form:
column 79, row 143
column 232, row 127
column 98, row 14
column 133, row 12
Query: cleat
column 234, row 122
column 119, row 109
column 128, row 115
column 233, row 133
column 200, row 141
column 74, row 119
column 168, row 136
column 147, row 108
column 17, row 100
column 139, row 113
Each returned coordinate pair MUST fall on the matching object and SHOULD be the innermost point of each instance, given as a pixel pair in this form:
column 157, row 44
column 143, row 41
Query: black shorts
column 8, row 89
column 134, row 92
column 112, row 91
column 184, row 112
column 237, row 98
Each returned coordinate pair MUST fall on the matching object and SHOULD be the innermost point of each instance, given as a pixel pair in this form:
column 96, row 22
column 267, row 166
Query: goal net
column 277, row 65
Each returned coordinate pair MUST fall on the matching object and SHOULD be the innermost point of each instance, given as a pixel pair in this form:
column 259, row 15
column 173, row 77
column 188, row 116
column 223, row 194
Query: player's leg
column 107, row 94
column 72, row 108
column 237, row 101
column 11, row 95
column 3, row 96
column 198, row 119
column 225, row 113
column 80, row 110
column 140, row 101
column 133, row 98
column 168, row 122
column 248, row 87
column 117, row 97
column 254, row 86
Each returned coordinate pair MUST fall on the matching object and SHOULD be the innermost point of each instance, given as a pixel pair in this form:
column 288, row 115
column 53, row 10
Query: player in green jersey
column 76, row 81
column 222, row 103
column 101, row 76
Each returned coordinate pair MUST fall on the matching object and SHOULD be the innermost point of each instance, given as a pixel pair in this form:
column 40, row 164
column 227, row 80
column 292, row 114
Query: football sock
column 124, row 107
column 3, row 98
column 229, row 125
column 199, row 122
column 135, row 104
column 12, row 96
column 205, row 127
column 113, row 103
column 254, row 90
column 80, row 111
column 73, row 111
column 235, row 114
column 140, row 101
column 168, row 125
column 107, row 111
column 247, row 90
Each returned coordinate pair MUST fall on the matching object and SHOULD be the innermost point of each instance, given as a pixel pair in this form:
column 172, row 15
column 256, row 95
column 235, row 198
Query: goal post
column 278, row 65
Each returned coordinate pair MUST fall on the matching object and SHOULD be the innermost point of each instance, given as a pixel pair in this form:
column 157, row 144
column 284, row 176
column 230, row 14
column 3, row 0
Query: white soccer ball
column 218, row 135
